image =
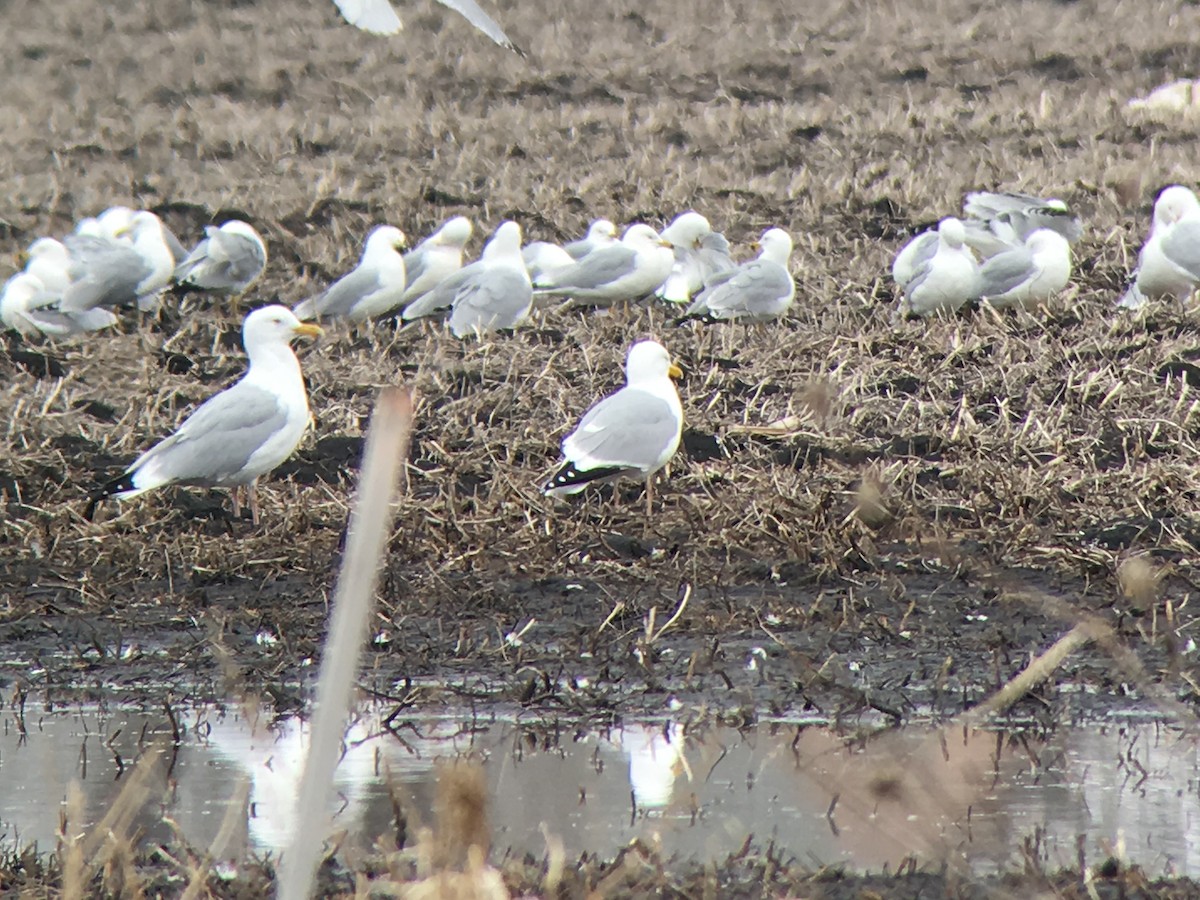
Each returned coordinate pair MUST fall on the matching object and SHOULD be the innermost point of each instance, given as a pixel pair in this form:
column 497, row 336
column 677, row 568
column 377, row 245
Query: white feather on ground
column 237, row 436
column 633, row 432
column 374, row 288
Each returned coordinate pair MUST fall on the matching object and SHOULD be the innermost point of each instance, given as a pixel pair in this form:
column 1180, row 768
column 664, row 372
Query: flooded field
column 980, row 802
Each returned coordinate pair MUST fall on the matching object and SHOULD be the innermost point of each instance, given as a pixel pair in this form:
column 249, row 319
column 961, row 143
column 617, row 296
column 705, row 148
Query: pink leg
column 252, row 490
column 236, row 493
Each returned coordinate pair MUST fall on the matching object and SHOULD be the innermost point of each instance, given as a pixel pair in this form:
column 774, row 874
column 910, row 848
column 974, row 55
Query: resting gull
column 630, row 269
column 633, row 432
column 237, row 436
column 600, row 233
column 107, row 272
column 28, row 307
column 227, row 261
column 374, row 288
column 1169, row 264
column 489, row 295
column 758, row 290
column 436, row 258
column 942, row 280
column 1029, row 274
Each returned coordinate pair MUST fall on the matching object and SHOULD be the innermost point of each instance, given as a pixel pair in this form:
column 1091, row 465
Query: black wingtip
column 569, row 476
column 117, row 486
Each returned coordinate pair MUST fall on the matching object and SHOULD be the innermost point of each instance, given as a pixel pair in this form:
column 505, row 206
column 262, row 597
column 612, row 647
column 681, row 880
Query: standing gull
column 489, row 295
column 758, row 290
column 945, row 280
column 107, row 272
column 378, row 17
column 374, row 288
column 1029, row 274
column 626, row 270
column 436, row 258
column 1169, row 263
column 633, row 432
column 227, row 261
column 238, row 435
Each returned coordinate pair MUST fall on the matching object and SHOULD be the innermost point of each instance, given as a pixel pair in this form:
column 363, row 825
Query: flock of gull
column 1007, row 250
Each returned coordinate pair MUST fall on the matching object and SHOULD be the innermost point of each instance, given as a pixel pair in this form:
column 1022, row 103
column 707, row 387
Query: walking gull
column 378, row 17
column 489, row 295
column 757, row 290
column 436, row 258
column 633, row 432
column 1169, row 264
column 227, row 261
column 374, row 288
column 238, row 435
column 1028, row 274
column 626, row 270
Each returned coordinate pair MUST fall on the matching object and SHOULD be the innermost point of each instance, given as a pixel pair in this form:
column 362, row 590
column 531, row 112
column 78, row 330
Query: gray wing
column 178, row 251
column 1026, row 222
column 102, row 273
column 441, row 297
column 217, row 440
column 471, row 11
column 1182, row 246
column 597, row 269
column 242, row 257
column 494, row 300
column 340, row 297
column 414, row 264
column 914, row 256
column 712, row 258
column 198, row 255
column 758, row 289
column 989, row 204
column 630, row 429
column 578, row 249
column 1006, row 271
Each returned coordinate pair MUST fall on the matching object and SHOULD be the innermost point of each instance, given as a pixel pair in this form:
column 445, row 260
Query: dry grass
column 839, row 448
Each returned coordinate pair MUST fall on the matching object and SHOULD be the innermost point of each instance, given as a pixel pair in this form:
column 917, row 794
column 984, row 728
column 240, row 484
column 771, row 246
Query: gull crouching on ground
column 108, row 272
column 945, row 280
column 237, row 436
column 600, row 233
column 374, row 288
column 623, row 271
column 48, row 260
column 758, row 290
column 227, row 261
column 492, row 294
column 436, row 258
column 631, row 433
column 1027, row 275
column 27, row 307
column 1169, row 263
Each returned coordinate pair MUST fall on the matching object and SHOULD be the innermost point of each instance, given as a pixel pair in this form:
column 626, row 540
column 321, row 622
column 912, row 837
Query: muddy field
column 868, row 516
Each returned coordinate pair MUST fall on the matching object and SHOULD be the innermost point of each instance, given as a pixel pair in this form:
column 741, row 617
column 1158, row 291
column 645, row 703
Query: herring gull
column 28, row 307
column 237, row 436
column 107, row 272
column 1169, row 263
column 374, row 288
column 629, row 269
column 600, row 233
column 227, row 261
column 944, row 280
column 436, row 258
column 633, row 432
column 758, row 290
column 1028, row 274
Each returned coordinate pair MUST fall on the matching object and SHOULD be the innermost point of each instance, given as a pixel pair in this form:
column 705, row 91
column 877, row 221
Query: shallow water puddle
column 982, row 799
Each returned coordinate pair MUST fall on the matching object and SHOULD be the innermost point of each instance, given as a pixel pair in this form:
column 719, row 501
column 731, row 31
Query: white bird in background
column 633, row 432
column 374, row 288
column 107, row 272
column 944, row 280
column 227, row 261
column 758, row 290
column 436, row 258
column 1169, row 263
column 629, row 269
column 997, row 221
column 600, row 233
column 489, row 295
column 1029, row 274
column 28, row 307
column 543, row 256
column 700, row 253
column 237, row 436
column 116, row 223
column 378, row 17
